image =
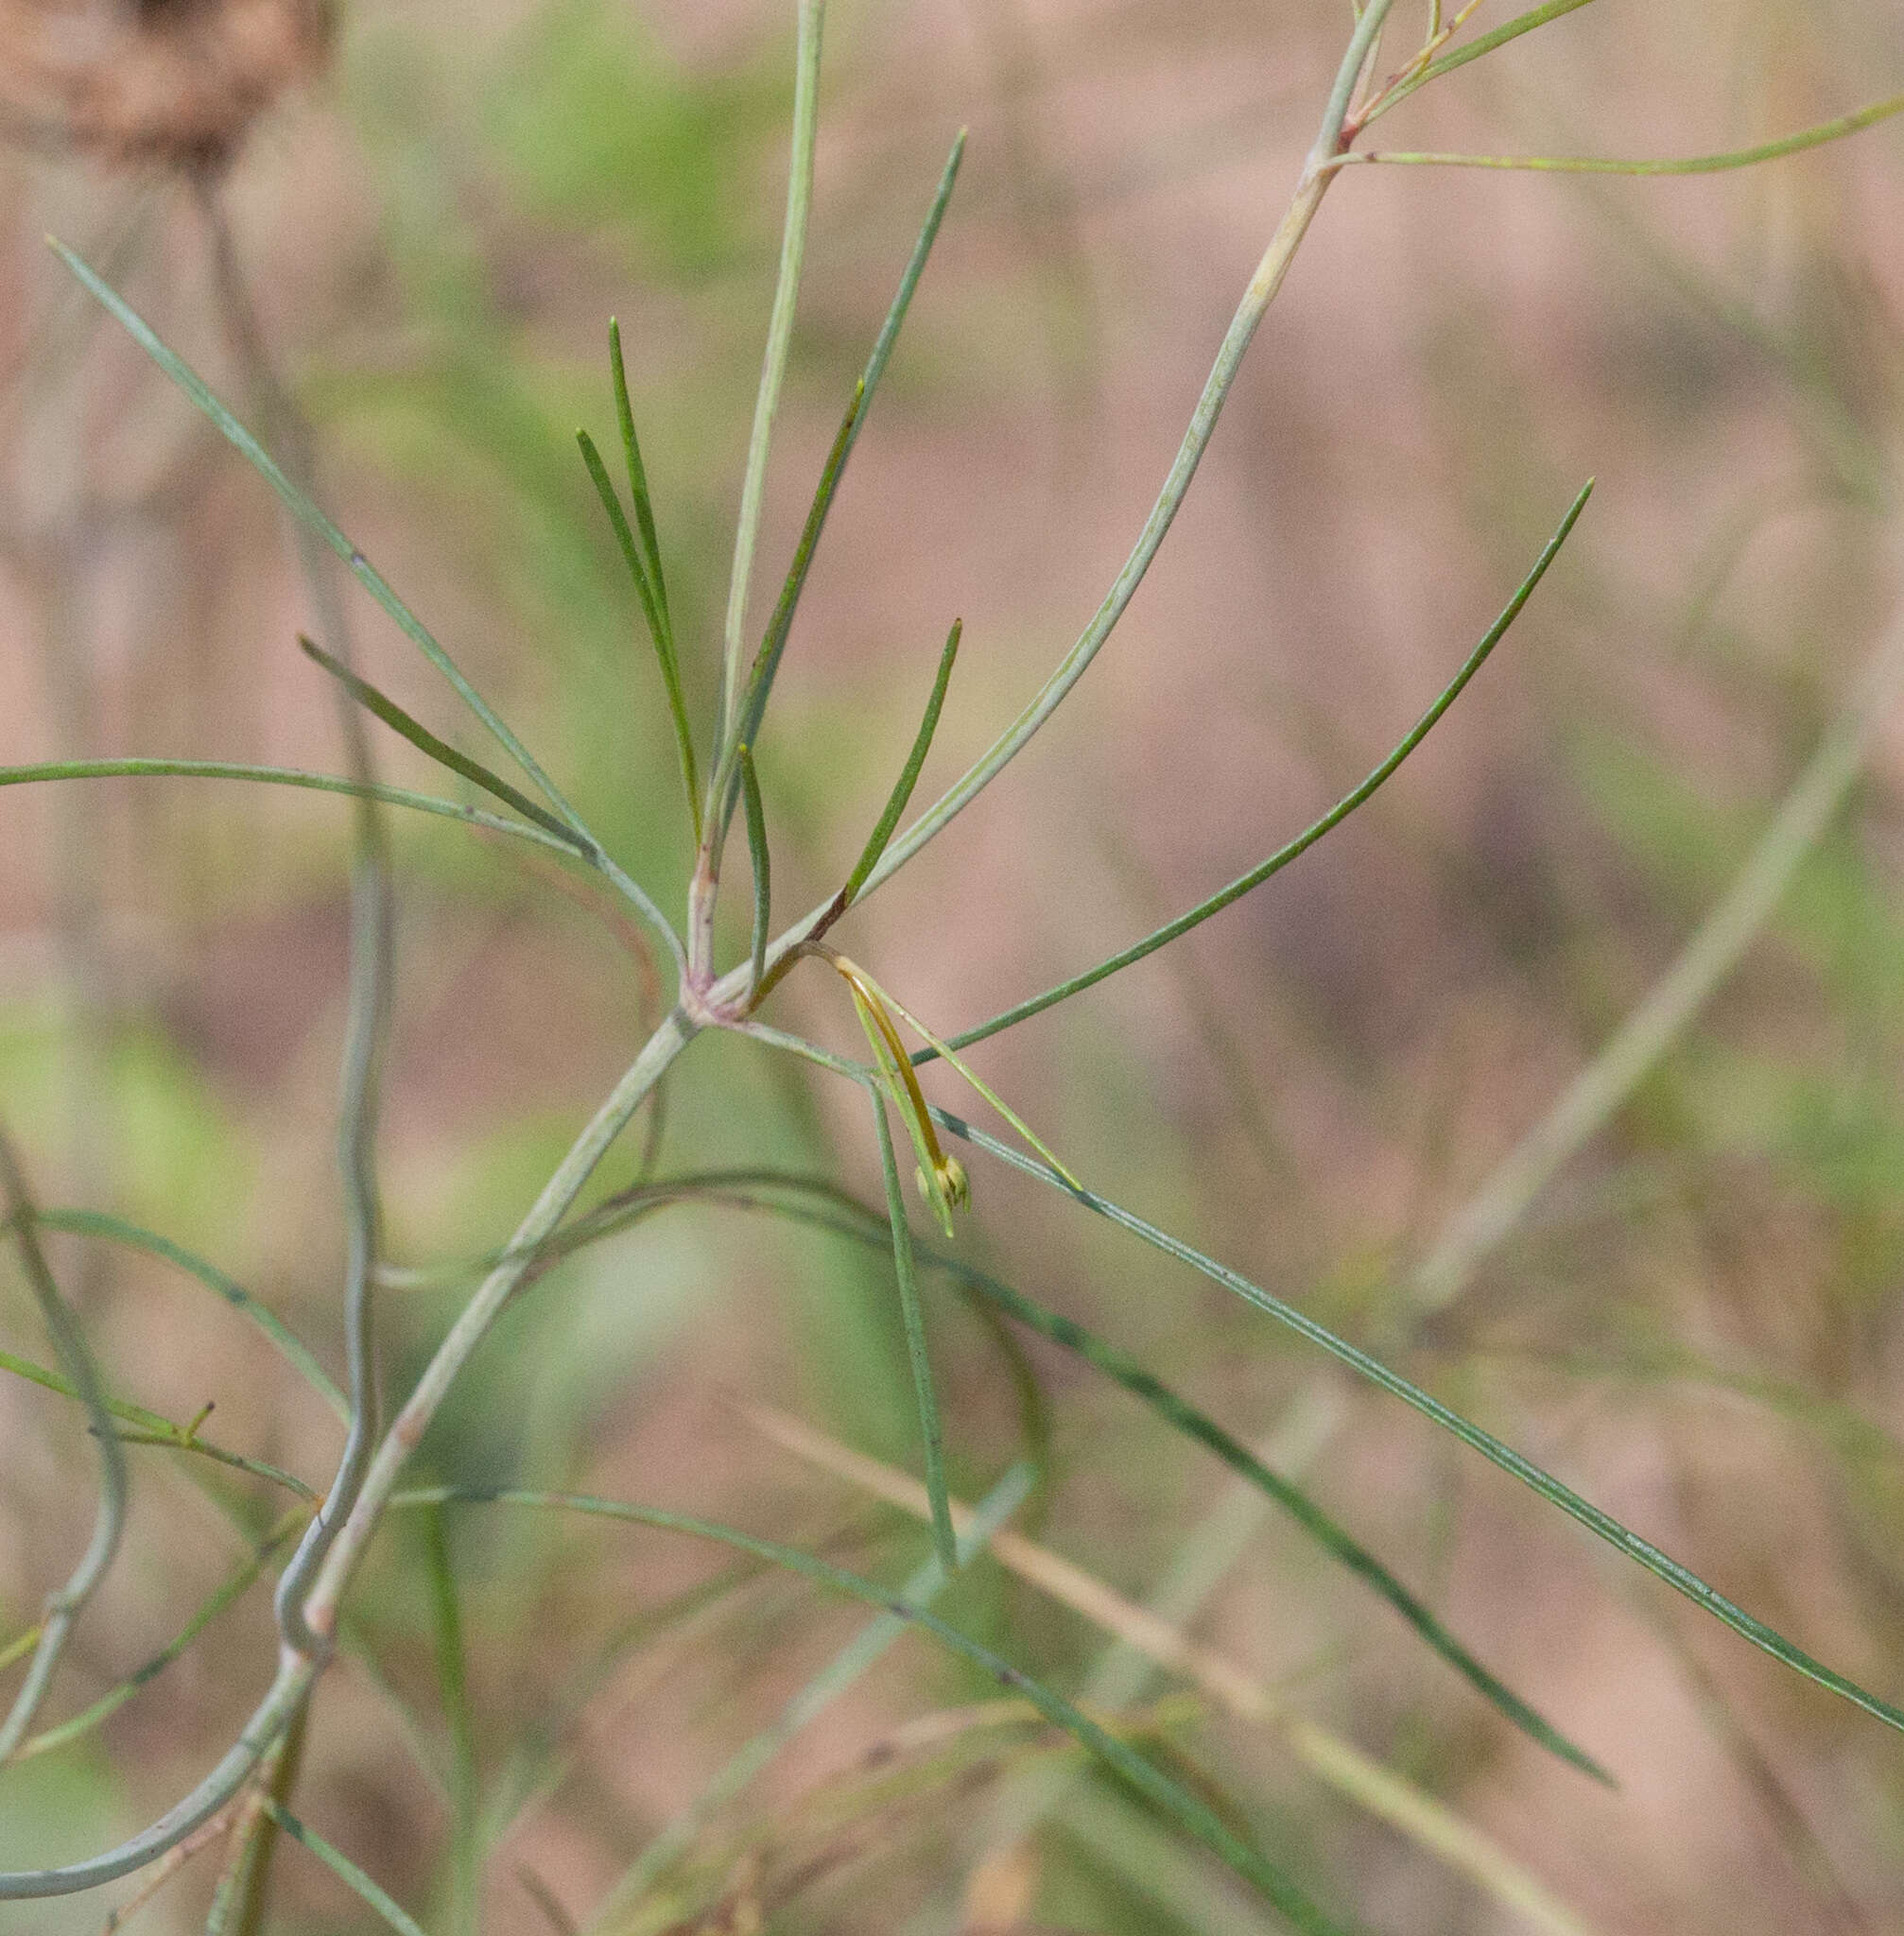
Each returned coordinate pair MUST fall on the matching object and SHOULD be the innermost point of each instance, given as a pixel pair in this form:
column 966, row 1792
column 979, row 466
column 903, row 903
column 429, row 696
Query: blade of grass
column 1824, row 131
column 296, row 1353
column 232, row 1589
column 344, row 1870
column 427, row 742
column 452, row 1689
column 812, row 20
column 64, row 1606
column 908, row 778
column 1482, row 44
column 944, row 1541
column 568, row 843
column 1163, row 1792
column 307, row 513
column 646, row 574
column 757, row 853
column 846, row 1668
column 1602, row 1525
column 1292, row 850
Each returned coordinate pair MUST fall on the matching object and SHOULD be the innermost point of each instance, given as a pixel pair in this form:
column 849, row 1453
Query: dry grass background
column 1699, row 1324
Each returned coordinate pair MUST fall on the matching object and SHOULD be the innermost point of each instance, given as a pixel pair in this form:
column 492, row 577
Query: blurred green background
column 1698, row 1322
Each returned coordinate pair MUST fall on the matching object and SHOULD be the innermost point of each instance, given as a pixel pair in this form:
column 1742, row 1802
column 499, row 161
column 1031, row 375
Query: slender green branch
column 232, row 1589
column 108, row 1520
column 774, row 363
column 1318, row 171
column 1682, row 164
column 472, row 1324
column 1163, row 936
column 566, row 843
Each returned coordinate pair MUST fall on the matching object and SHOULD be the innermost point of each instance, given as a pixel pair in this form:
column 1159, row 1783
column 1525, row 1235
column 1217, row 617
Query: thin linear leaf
column 63, row 1606
column 945, row 1540
column 295, row 1350
column 773, row 643
column 1347, row 804
column 812, row 21
column 757, row 852
column 908, row 776
column 1602, row 1525
column 767, row 660
column 840, row 1674
column 427, row 743
column 1170, row 1796
column 637, row 486
column 1825, row 132
column 242, row 1578
column 344, row 1870
column 308, row 514
column 653, row 610
column 1473, row 49
column 453, row 1688
column 568, row 843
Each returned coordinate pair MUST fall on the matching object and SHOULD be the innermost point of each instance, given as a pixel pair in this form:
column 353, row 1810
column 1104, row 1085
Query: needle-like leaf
column 644, row 567
column 757, row 852
column 1171, row 931
column 1824, row 131
column 746, row 724
column 908, row 778
column 420, row 737
column 637, row 486
column 1473, row 49
column 568, row 843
